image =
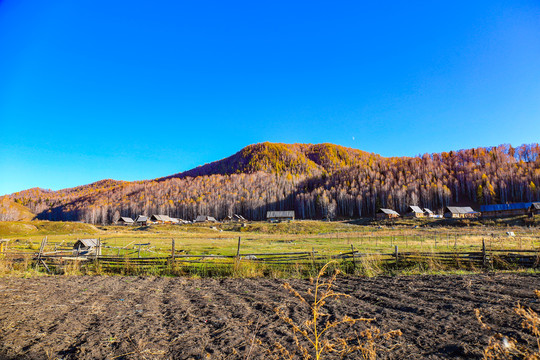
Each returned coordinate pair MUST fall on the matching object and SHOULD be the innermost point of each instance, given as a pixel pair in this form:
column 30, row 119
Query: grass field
column 262, row 237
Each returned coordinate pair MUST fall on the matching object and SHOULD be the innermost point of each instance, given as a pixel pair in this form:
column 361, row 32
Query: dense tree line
column 317, row 181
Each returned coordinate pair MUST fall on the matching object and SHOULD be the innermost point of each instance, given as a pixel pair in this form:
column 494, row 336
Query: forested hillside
column 317, row 181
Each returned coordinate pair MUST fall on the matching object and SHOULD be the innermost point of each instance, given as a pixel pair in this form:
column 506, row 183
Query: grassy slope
column 25, row 228
column 15, row 211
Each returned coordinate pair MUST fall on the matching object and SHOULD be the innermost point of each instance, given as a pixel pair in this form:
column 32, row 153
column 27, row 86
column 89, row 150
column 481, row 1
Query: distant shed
column 141, row 220
column 453, row 212
column 386, row 214
column 535, row 208
column 124, row 220
column 429, row 213
column 87, row 247
column 205, row 218
column 161, row 219
column 239, row 217
column 501, row 210
column 414, row 212
column 276, row 216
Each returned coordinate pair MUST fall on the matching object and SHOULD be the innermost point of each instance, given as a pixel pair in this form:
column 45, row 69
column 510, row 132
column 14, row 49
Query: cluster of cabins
column 412, row 211
column 417, row 212
column 453, row 212
column 487, row 211
column 143, row 220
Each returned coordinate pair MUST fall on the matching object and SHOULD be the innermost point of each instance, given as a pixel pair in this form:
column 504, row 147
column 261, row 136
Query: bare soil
column 95, row 317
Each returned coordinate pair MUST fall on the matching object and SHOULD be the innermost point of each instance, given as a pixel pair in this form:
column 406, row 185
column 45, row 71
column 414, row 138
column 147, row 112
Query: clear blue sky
column 134, row 90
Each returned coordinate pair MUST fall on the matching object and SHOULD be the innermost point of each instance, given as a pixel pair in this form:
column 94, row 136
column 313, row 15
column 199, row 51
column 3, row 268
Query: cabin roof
column 416, row 209
column 388, row 211
column 280, row 214
column 205, row 218
column 503, row 207
column 87, row 242
column 161, row 218
column 141, row 218
column 460, row 209
column 428, row 211
column 126, row 219
column 535, row 205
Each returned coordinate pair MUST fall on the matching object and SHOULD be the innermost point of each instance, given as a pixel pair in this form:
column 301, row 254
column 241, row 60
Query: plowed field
column 183, row 318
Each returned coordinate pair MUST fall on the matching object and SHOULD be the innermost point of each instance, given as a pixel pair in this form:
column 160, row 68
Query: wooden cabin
column 278, row 216
column 428, row 213
column 414, row 212
column 237, row 217
column 534, row 209
column 161, row 219
column 502, row 210
column 205, row 218
column 141, row 220
column 234, row 218
column 457, row 212
column 87, row 247
column 124, row 220
column 386, row 214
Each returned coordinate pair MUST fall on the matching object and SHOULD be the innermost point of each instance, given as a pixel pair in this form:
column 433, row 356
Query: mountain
column 317, row 181
column 280, row 159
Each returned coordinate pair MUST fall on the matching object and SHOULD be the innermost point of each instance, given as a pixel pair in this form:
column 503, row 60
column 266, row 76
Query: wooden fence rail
column 485, row 258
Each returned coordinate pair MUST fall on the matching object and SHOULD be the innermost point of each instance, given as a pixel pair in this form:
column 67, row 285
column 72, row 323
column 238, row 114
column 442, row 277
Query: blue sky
column 134, row 90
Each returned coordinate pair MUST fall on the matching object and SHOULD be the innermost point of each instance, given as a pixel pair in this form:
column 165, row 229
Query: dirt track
column 182, row 318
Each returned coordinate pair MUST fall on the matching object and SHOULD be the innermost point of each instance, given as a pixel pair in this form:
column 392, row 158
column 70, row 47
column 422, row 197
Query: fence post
column 484, row 260
column 313, row 257
column 396, row 254
column 173, row 250
column 238, row 250
column 353, row 259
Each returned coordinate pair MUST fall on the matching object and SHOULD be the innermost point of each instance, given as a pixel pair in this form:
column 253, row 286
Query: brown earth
column 182, row 318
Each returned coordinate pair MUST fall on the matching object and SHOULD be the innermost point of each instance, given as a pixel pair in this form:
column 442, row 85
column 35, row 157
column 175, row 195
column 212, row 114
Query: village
column 450, row 212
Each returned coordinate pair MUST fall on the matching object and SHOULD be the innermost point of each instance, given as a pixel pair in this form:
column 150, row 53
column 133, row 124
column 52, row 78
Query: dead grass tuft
column 503, row 347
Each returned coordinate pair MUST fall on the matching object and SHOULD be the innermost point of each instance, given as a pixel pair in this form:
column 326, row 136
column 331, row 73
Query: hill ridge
column 280, row 158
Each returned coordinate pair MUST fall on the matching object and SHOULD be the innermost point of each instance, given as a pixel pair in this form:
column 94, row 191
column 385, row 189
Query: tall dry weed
column 317, row 328
column 72, row 268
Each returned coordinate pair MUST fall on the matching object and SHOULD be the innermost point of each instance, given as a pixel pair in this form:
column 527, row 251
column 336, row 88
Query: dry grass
column 503, row 347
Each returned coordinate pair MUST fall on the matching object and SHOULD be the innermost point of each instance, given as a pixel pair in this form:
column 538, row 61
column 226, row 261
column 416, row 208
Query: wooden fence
column 483, row 258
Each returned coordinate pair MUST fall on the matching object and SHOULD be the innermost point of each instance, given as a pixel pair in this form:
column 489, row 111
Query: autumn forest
column 317, row 181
